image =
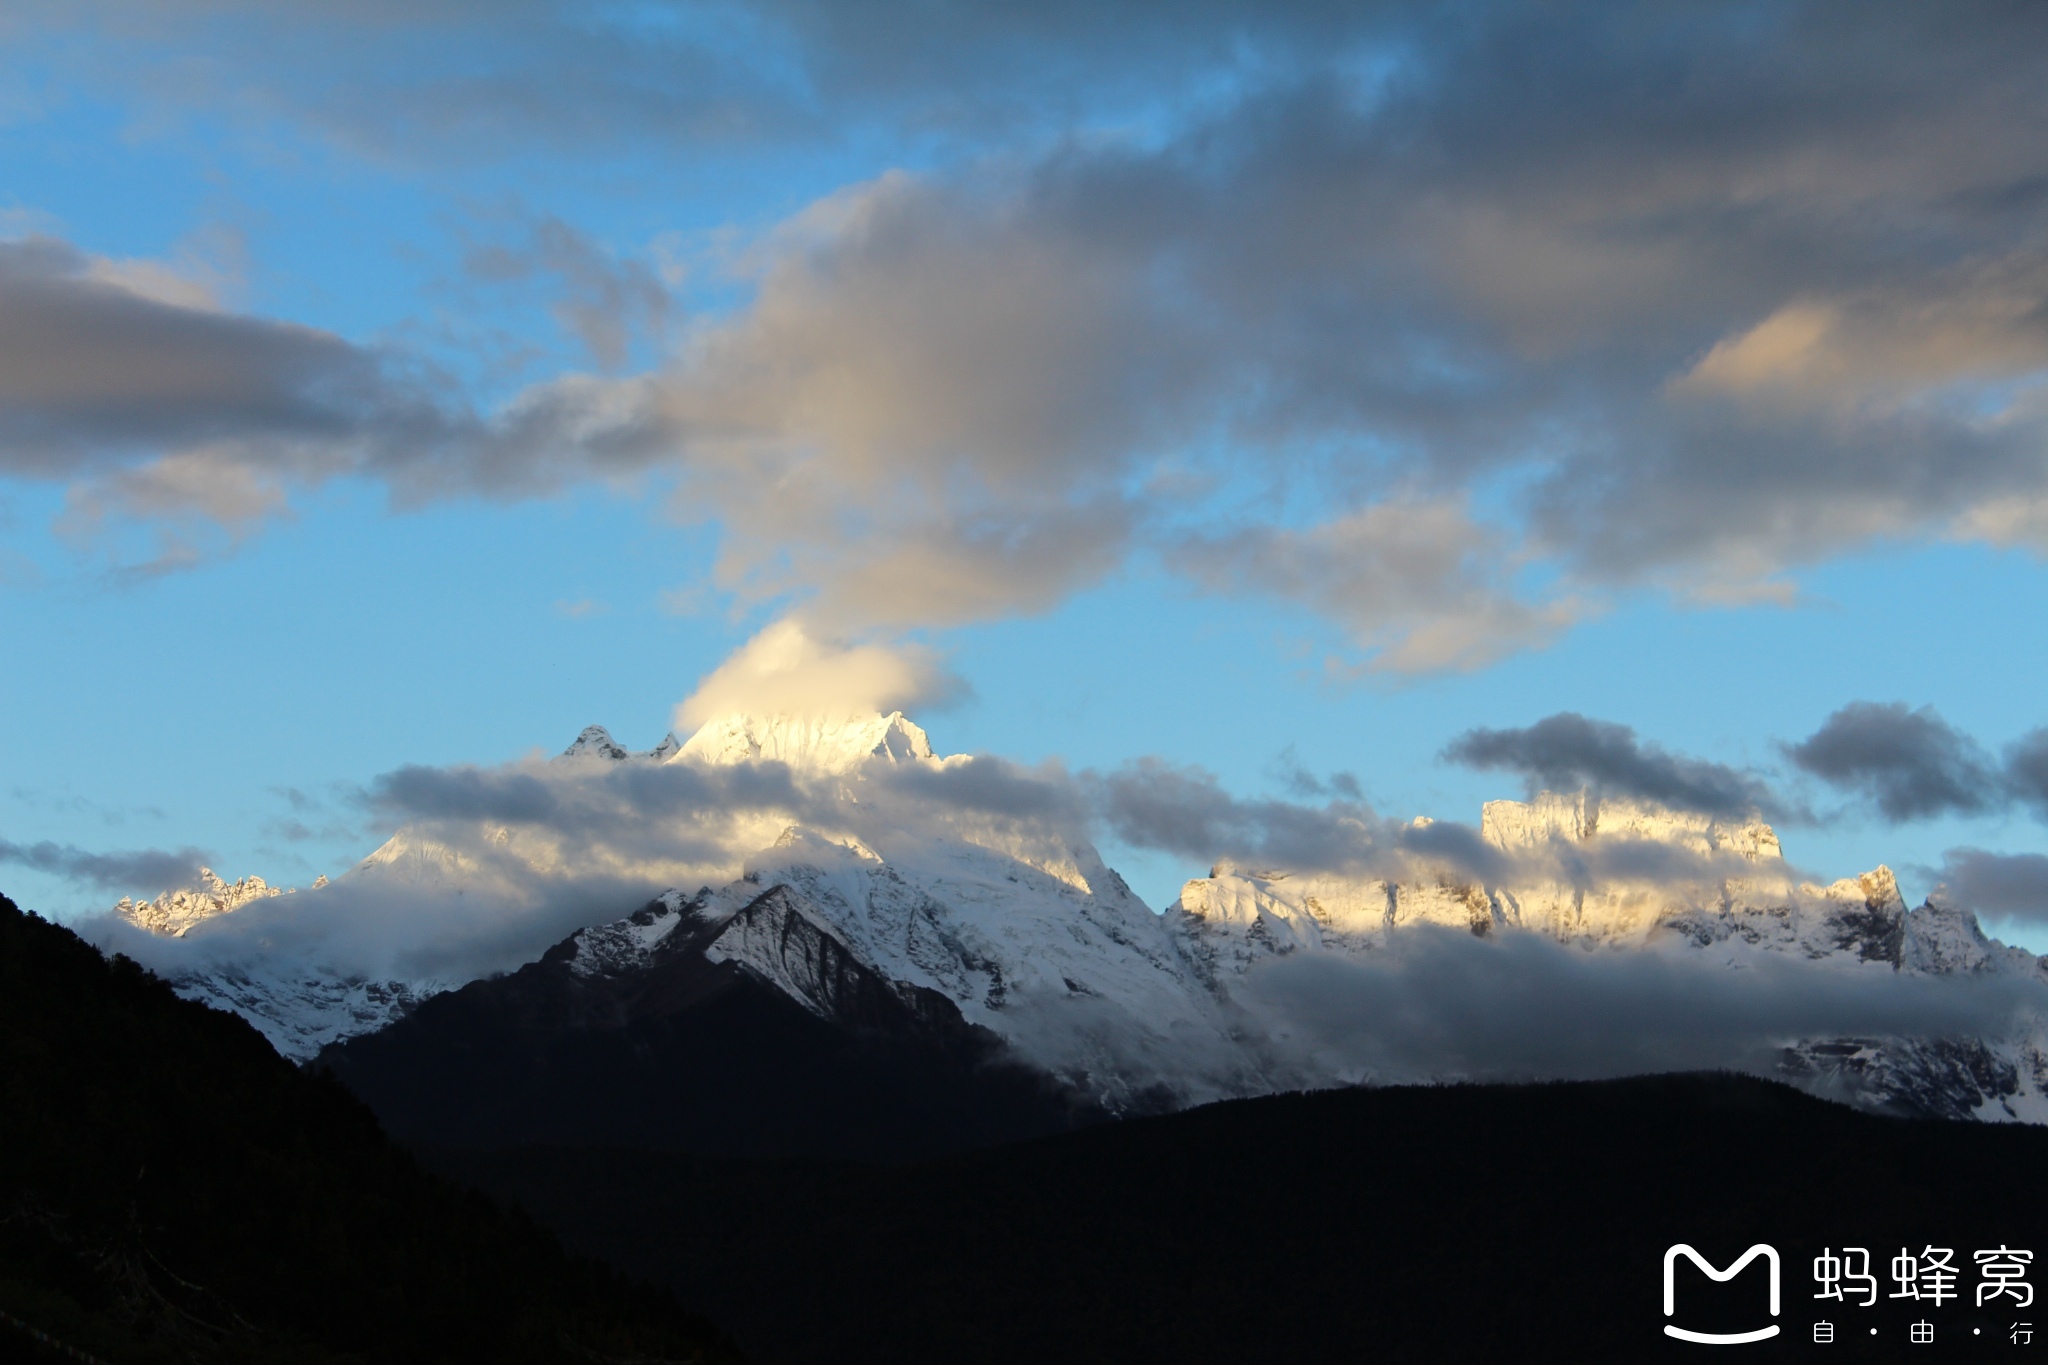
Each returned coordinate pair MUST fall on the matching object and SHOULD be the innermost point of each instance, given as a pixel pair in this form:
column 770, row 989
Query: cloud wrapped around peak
column 786, row 670
column 1568, row 751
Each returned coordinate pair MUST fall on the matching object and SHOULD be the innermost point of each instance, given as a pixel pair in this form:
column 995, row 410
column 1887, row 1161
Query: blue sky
column 1248, row 386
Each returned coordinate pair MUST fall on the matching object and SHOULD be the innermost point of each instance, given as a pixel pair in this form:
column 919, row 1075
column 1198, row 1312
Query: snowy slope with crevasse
column 1032, row 936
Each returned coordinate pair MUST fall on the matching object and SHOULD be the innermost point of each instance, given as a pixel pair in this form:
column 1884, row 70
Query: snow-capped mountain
column 1021, row 927
column 1234, row 920
column 815, row 744
column 746, row 1030
column 175, row 912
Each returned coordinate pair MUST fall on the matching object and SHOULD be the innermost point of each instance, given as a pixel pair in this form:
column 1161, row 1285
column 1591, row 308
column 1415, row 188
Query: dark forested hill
column 173, row 1190
column 1482, row 1223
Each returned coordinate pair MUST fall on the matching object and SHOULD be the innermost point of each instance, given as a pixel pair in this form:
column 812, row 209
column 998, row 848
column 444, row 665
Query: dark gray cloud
column 1184, row 810
column 2026, row 770
column 134, row 871
column 157, row 407
column 1911, row 764
column 1440, row 1002
column 988, row 785
column 627, row 811
column 93, row 366
column 423, row 793
column 1153, row 804
column 1568, row 751
column 2009, row 885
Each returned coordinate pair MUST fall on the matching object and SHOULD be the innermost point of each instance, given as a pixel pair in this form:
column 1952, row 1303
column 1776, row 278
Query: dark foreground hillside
column 1446, row 1224
column 172, row 1190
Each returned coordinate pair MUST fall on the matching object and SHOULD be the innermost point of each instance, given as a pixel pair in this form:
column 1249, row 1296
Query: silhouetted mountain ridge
column 1487, row 1223
column 173, row 1190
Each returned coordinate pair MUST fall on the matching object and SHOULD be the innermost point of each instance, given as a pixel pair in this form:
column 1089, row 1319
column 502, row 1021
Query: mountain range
column 968, row 973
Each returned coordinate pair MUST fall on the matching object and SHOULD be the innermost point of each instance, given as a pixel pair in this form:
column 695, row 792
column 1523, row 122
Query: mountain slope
column 747, row 1032
column 1485, row 1223
column 172, row 1189
column 975, row 881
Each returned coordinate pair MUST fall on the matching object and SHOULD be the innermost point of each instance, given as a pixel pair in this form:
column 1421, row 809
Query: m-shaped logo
column 1671, row 1255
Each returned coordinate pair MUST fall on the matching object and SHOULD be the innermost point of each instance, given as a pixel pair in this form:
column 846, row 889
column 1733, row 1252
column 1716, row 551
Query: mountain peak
column 1578, row 816
column 595, row 742
column 813, row 743
column 173, row 913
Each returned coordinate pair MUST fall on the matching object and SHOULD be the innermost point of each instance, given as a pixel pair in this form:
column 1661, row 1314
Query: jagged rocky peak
column 1515, row 826
column 1281, row 910
column 596, row 742
column 173, row 913
column 1878, row 889
column 810, row 743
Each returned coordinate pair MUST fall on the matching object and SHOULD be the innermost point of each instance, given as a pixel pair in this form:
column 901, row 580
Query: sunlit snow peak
column 808, row 743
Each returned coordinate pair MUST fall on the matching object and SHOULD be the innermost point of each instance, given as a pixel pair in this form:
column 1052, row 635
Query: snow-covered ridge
column 1019, row 922
column 596, row 742
column 810, row 744
column 173, row 913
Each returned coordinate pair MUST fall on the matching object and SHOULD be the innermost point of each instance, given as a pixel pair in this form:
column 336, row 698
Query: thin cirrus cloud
column 1704, row 327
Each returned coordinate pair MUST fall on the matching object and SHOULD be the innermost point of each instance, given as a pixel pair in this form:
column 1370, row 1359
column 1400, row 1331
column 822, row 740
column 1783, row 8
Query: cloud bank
column 1914, row 765
column 1446, row 324
column 123, row 871
column 2007, row 885
column 1568, row 751
column 1443, row 1003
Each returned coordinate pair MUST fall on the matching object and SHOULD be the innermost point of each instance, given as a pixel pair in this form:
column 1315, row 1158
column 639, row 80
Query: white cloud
column 1417, row 581
column 785, row 670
